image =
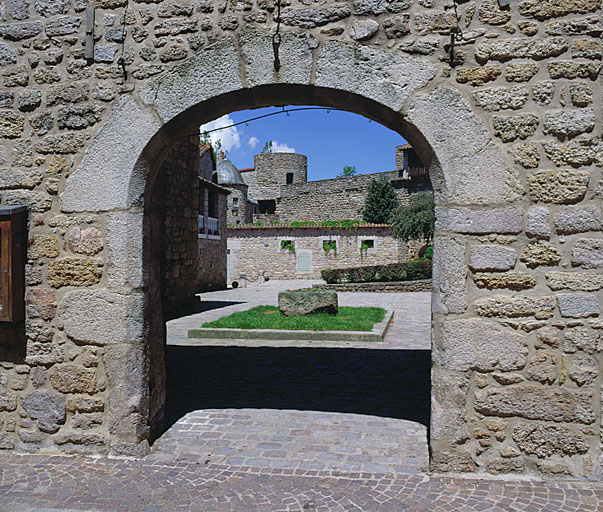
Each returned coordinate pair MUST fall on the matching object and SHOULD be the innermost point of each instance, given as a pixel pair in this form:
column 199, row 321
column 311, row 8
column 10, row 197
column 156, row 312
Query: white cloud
column 253, row 141
column 281, row 147
column 229, row 137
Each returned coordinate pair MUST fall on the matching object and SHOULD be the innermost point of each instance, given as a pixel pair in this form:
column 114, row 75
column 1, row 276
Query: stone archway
column 473, row 180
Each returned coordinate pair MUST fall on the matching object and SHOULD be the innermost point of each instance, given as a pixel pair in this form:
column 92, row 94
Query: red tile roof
column 288, row 226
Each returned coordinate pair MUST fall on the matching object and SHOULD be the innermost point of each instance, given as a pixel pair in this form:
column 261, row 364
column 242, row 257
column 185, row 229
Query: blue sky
column 330, row 140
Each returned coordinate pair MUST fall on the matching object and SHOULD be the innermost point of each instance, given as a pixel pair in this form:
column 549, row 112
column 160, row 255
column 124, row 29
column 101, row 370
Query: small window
column 288, row 246
column 365, row 245
column 289, row 178
column 329, row 246
column 235, row 201
column 267, row 206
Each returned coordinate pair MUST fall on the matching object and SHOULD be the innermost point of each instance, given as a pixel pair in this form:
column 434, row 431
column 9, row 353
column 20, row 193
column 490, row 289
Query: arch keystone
column 295, row 55
column 386, row 77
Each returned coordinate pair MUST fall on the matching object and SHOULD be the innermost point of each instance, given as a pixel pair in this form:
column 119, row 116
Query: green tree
column 267, row 147
column 380, row 202
column 348, row 170
column 216, row 145
column 415, row 220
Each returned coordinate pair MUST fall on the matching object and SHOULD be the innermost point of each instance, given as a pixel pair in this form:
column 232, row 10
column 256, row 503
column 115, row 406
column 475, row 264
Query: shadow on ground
column 389, row 383
column 195, row 307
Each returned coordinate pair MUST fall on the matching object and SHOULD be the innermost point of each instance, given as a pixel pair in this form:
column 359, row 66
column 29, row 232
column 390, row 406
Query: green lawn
column 269, row 317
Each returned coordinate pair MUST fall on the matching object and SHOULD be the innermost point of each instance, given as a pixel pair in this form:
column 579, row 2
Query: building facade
column 279, row 252
column 279, row 182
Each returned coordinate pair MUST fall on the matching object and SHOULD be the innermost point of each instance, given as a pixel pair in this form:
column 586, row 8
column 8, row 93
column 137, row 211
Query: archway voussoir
column 386, row 77
column 472, row 168
column 295, row 54
column 103, row 180
column 213, row 71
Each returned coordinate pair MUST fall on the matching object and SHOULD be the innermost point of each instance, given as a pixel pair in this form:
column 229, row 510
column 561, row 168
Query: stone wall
column 177, row 194
column 271, row 173
column 507, row 123
column 336, row 199
column 259, row 249
column 211, row 266
column 240, row 210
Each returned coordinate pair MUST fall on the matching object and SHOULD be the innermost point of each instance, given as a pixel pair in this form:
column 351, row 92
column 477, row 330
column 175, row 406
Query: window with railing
column 208, row 227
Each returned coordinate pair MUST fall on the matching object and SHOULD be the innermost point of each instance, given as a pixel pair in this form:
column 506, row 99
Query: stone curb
column 419, row 285
column 375, row 335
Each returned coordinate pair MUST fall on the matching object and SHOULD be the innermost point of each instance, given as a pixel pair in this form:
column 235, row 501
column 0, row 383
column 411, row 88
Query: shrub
column 415, row 220
column 420, row 269
column 410, row 271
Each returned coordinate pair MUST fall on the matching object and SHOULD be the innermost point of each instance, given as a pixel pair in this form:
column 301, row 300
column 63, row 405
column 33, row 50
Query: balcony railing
column 415, row 172
column 208, row 227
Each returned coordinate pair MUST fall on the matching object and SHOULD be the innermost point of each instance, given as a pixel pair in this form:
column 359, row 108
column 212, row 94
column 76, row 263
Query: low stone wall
column 420, row 285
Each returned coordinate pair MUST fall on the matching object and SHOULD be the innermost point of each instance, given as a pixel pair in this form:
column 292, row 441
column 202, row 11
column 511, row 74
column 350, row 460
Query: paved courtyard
column 344, row 406
column 286, row 426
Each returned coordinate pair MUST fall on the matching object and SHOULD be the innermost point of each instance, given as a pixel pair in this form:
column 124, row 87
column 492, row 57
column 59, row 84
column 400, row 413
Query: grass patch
column 269, row 317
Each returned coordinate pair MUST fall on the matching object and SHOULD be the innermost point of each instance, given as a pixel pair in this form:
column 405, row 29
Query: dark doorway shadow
column 195, row 307
column 388, row 383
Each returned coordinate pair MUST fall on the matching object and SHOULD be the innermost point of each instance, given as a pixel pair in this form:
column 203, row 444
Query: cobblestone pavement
column 310, row 405
column 276, row 426
column 296, row 440
column 37, row 483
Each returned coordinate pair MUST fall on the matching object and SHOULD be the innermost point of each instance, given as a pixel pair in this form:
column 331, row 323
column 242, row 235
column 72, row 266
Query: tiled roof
column 288, row 226
column 211, row 184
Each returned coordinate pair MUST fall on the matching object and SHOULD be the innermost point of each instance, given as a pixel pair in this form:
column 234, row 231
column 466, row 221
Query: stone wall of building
column 508, row 122
column 211, row 269
column 240, row 210
column 259, row 249
column 177, row 191
column 271, row 171
column 335, row 199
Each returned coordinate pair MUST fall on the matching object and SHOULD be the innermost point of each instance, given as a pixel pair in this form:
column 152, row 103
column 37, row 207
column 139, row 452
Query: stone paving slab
column 296, row 440
column 40, row 483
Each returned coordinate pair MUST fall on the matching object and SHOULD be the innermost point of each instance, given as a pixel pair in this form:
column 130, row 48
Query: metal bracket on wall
column 90, row 35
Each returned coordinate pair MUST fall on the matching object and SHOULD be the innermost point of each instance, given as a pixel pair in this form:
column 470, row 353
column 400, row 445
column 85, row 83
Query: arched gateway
column 515, row 379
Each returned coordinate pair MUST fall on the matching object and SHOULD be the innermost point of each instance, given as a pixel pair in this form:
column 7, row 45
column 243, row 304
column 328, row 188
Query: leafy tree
column 380, row 202
column 216, row 144
column 415, row 220
column 267, row 147
column 348, row 170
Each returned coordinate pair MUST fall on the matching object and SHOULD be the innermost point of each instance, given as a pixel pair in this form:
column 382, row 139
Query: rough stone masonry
column 508, row 120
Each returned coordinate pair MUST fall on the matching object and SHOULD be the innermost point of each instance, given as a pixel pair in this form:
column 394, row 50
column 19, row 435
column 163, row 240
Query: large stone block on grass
column 307, row 303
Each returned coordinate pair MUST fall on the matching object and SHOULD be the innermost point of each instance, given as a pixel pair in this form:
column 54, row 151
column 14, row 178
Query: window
column 329, row 246
column 289, row 178
column 287, row 246
column 303, row 262
column 212, row 204
column 235, row 201
column 367, row 244
column 268, row 206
